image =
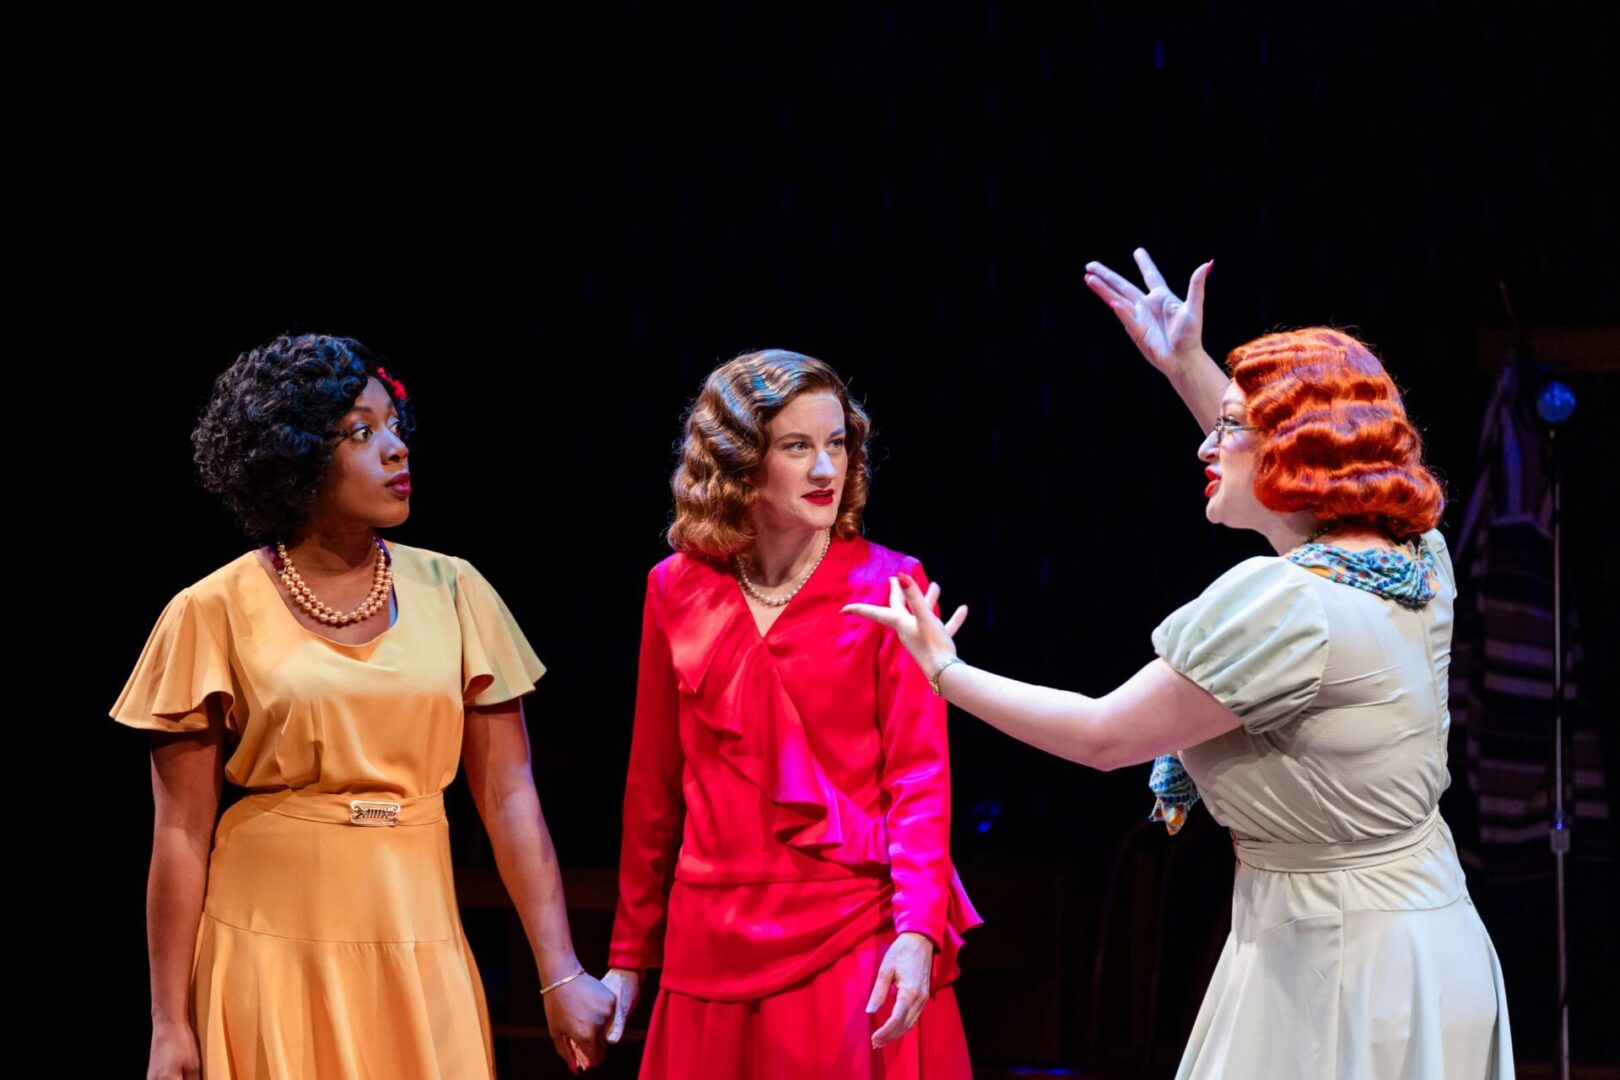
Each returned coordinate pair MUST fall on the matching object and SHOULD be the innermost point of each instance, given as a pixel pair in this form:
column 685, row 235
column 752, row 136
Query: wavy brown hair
column 725, row 442
column 1337, row 439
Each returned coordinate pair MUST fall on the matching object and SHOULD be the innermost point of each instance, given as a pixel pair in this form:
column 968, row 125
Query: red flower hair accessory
column 396, row 387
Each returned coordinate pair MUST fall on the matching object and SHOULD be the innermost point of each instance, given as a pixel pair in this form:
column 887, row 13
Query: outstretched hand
column 910, row 614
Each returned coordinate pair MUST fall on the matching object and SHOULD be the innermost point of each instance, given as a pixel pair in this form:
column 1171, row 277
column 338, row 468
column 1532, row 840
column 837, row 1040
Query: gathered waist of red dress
column 737, row 942
column 695, row 870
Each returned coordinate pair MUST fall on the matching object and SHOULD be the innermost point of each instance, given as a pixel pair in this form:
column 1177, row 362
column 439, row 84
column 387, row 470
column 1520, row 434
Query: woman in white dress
column 1305, row 694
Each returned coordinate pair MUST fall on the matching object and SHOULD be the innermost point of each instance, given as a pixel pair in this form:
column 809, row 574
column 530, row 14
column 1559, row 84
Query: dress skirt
column 818, row 1028
column 330, row 944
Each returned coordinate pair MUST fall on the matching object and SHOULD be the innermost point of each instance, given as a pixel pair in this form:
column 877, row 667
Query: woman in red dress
column 786, row 855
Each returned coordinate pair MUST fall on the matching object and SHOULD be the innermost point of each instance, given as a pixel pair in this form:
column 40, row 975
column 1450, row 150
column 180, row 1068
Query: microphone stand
column 1554, row 404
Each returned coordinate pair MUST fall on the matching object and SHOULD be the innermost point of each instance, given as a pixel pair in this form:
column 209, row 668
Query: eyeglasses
column 1223, row 425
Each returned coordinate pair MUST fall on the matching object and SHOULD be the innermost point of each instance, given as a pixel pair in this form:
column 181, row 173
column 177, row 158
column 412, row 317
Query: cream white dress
column 1355, row 949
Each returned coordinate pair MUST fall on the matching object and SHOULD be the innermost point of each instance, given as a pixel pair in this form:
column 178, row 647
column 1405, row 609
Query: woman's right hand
column 174, row 1052
column 1167, row 330
column 626, row 987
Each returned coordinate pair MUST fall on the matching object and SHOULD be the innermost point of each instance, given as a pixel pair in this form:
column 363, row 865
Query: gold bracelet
column 544, row 990
column 933, row 680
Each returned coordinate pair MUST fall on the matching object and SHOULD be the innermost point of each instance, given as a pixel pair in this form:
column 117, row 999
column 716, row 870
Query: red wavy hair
column 1336, row 438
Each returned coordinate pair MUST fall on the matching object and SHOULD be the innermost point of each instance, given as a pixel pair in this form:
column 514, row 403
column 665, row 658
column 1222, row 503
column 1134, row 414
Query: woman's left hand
column 911, row 615
column 907, row 967
column 578, row 1015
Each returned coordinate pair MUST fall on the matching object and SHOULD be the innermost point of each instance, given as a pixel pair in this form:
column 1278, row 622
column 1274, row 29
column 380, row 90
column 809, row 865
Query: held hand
column 1168, row 331
column 907, row 967
column 174, row 1053
column 910, row 614
column 626, row 987
column 578, row 1015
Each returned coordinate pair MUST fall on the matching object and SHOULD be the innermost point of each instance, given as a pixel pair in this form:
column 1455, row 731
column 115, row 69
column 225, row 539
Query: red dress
column 787, row 813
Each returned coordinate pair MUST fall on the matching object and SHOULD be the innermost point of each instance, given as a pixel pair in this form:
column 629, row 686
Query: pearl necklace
column 779, row 601
column 382, row 583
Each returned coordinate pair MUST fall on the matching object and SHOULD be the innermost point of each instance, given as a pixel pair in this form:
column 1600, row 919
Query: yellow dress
column 330, row 943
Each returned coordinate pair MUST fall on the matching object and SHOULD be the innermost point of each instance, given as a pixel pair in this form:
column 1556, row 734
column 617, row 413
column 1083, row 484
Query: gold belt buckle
column 367, row 812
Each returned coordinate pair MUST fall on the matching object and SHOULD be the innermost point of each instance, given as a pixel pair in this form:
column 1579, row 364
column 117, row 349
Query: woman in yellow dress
column 339, row 678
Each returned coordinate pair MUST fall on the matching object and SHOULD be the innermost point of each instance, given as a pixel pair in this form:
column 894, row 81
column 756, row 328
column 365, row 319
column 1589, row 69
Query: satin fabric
column 788, row 795
column 1355, row 950
column 808, row 1030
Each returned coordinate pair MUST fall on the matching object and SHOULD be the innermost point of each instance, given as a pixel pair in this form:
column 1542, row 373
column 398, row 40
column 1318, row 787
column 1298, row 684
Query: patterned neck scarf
column 1404, row 574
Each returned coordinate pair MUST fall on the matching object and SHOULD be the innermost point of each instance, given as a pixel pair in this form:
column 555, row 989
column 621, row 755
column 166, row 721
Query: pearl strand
column 779, row 601
column 382, row 583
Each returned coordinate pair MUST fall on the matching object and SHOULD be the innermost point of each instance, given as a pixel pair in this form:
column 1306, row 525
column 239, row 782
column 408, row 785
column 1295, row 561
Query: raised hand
column 1167, row 330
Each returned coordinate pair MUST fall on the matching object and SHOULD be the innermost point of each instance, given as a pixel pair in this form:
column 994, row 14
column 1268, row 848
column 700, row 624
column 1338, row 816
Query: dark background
column 554, row 230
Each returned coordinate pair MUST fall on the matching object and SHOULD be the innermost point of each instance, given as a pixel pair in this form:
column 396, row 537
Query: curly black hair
column 262, row 442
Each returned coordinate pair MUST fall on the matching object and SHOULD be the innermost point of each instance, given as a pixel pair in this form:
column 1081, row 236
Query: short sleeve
column 1256, row 640
column 497, row 663
column 186, row 659
column 1436, row 544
